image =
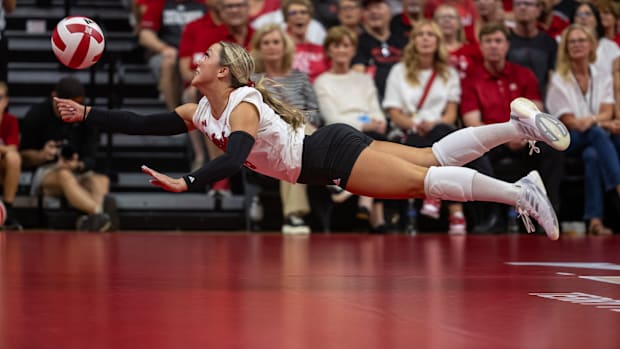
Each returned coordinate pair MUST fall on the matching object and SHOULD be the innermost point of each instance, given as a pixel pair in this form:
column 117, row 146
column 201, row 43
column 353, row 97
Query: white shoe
column 295, row 225
column 538, row 126
column 534, row 202
column 534, row 176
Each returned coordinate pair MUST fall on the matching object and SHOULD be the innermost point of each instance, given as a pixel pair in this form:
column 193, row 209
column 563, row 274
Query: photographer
column 64, row 157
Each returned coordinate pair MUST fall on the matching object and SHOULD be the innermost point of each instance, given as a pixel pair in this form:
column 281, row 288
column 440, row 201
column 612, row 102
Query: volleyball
column 78, row 42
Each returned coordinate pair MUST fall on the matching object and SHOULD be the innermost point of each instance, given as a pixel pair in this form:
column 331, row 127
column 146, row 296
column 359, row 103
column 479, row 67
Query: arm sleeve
column 238, row 149
column 164, row 124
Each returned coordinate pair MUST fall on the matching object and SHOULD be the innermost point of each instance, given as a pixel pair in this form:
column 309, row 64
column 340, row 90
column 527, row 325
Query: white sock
column 464, row 184
column 468, row 144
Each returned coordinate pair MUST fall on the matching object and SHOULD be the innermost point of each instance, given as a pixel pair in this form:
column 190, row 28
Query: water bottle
column 513, row 221
column 412, row 218
column 256, row 209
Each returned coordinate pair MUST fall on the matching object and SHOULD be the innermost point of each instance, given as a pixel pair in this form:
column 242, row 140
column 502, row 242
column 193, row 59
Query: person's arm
column 472, row 118
column 449, row 114
column 244, row 121
column 169, row 123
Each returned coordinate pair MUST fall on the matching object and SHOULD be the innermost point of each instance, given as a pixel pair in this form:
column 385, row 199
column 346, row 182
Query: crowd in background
column 409, row 71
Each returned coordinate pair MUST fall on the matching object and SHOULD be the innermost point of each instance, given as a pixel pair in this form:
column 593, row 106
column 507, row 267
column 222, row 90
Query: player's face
column 341, row 52
column 208, row 67
column 272, row 47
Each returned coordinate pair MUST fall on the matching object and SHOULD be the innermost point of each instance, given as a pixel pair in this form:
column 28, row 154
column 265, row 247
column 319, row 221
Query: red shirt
column 153, row 16
column 9, row 130
column 491, row 95
column 557, row 26
column 465, row 58
column 310, row 59
column 195, row 34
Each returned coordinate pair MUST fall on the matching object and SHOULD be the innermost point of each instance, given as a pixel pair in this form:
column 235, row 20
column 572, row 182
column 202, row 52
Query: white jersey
column 276, row 151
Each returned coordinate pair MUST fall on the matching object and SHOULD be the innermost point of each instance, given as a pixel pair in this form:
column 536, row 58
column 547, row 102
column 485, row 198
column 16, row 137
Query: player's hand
column 175, row 185
column 70, row 110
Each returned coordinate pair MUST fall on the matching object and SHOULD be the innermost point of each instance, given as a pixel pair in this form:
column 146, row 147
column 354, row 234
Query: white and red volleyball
column 78, row 42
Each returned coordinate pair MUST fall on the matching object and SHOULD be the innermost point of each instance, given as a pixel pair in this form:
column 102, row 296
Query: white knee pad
column 449, row 183
column 459, row 148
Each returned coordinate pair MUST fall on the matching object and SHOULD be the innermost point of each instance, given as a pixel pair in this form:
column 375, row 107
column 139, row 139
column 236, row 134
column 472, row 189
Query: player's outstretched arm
column 169, row 123
column 167, row 183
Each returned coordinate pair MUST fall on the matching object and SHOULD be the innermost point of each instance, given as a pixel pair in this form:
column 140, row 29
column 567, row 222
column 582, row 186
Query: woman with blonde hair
column 462, row 55
column 264, row 134
column 421, row 97
column 273, row 50
column 581, row 96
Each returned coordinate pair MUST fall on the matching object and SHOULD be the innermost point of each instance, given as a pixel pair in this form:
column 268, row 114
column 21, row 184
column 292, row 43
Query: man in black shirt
column 378, row 48
column 64, row 155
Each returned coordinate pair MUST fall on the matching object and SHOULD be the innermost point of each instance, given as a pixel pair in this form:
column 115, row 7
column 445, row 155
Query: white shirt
column 315, row 33
column 565, row 97
column 606, row 52
column 399, row 93
column 277, row 149
column 344, row 98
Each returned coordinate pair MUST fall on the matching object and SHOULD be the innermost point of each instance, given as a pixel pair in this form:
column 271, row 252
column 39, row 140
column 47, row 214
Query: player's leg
column 383, row 175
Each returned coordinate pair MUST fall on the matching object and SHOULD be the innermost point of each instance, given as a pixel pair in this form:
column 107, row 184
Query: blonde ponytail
column 241, row 67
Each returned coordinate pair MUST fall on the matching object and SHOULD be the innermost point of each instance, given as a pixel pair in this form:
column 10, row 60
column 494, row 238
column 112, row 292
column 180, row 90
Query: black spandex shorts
column 330, row 153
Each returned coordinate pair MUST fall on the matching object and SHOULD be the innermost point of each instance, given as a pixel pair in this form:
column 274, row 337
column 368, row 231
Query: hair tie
column 250, row 83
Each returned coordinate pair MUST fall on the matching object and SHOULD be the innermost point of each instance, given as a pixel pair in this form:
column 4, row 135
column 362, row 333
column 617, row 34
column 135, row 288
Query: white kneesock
column 468, row 144
column 464, row 184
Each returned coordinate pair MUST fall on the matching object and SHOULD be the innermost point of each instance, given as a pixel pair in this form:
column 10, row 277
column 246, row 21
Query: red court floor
column 206, row 290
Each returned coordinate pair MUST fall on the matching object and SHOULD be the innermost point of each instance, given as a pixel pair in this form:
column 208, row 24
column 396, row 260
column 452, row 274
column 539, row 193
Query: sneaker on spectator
column 338, row 194
column 363, row 213
column 431, row 208
column 458, row 224
column 295, row 225
column 110, row 208
column 99, row 222
column 12, row 224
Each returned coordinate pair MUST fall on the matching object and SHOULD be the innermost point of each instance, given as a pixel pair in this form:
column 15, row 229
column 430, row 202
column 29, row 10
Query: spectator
column 350, row 97
column 309, row 57
column 489, row 11
column 529, row 46
column 273, row 51
column 402, row 22
column 463, row 55
column 379, row 48
column 315, row 32
column 607, row 51
column 466, row 9
column 350, row 15
column 551, row 21
column 581, row 96
column 191, row 48
column 326, row 12
column 160, row 33
column 610, row 12
column 421, row 97
column 10, row 160
column 7, row 7
column 64, row 157
column 486, row 97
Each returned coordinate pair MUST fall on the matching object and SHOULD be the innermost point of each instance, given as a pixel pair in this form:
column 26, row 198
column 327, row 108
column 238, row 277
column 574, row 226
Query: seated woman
column 422, row 96
column 350, row 97
column 273, row 50
column 582, row 97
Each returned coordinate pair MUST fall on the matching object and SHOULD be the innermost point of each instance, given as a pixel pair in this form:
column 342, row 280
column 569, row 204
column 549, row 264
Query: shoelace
column 533, row 147
column 525, row 217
